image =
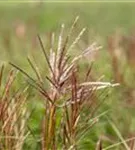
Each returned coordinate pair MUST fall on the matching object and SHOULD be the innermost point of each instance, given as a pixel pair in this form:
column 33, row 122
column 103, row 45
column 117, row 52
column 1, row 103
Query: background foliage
column 109, row 24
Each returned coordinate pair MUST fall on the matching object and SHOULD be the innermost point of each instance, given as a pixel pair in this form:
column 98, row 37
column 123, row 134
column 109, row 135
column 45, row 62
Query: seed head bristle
column 77, row 39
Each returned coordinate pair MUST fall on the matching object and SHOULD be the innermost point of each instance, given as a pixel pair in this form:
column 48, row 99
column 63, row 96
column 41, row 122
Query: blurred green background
column 21, row 22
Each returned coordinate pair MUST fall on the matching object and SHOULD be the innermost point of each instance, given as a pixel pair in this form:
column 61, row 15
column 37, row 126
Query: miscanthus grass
column 69, row 102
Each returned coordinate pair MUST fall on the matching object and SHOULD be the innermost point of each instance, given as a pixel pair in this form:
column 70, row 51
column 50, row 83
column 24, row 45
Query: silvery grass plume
column 13, row 114
column 69, row 102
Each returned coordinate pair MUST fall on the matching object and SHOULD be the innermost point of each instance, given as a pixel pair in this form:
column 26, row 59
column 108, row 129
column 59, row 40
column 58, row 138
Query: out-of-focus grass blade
column 118, row 134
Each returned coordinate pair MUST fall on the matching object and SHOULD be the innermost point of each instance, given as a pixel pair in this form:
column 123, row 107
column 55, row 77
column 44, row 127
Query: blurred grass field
column 100, row 19
column 19, row 25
